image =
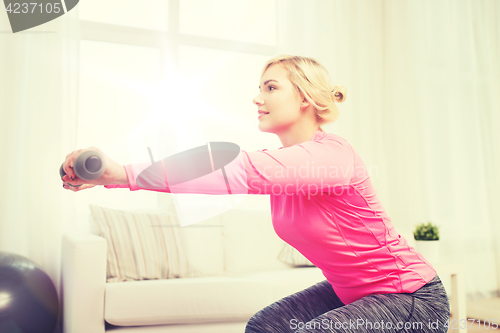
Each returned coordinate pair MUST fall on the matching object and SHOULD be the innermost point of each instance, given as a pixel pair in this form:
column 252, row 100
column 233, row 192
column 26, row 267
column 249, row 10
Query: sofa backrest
column 237, row 241
column 250, row 242
column 244, row 242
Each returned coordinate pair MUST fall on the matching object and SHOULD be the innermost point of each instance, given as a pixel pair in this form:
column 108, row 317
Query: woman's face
column 280, row 98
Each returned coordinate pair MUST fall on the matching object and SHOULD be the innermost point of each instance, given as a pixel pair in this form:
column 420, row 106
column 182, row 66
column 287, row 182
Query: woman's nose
column 258, row 101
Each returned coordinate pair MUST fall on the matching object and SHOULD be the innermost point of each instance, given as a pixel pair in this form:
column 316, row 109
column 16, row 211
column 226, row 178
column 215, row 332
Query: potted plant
column 426, row 237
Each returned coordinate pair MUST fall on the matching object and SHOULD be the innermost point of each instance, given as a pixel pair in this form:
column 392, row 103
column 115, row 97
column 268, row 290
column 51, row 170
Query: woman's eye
column 272, row 88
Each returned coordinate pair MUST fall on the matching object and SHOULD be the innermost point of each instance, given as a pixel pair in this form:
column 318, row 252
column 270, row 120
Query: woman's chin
column 263, row 128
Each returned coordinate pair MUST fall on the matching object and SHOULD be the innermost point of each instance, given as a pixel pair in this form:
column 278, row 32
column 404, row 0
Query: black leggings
column 318, row 309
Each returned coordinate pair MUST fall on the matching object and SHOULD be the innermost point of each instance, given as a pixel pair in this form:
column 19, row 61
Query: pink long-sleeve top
column 324, row 205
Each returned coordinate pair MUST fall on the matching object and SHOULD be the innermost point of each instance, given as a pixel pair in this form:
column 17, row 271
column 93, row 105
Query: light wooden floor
column 486, row 311
column 475, row 327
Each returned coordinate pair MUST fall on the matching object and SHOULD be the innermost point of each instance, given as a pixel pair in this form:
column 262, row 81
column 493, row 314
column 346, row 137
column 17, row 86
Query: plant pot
column 429, row 249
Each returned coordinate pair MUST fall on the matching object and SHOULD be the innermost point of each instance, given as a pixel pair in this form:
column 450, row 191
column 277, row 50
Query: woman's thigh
column 285, row 314
column 425, row 310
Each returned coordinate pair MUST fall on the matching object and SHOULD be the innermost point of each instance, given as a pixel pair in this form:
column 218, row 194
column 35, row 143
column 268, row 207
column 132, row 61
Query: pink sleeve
column 311, row 166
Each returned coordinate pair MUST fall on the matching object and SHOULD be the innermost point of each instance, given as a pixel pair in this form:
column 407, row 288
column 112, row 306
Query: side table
column 457, row 299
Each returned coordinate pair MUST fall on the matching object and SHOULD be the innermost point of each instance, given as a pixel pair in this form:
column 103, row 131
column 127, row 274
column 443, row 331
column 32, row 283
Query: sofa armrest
column 83, row 282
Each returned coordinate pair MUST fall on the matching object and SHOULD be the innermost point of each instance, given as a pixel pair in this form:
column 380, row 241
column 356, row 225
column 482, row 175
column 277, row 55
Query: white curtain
column 441, row 112
column 38, row 95
column 422, row 109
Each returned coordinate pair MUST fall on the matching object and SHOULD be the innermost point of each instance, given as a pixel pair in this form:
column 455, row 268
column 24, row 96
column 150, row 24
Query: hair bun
column 339, row 93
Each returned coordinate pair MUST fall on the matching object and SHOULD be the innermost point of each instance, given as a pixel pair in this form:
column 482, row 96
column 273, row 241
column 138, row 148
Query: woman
column 374, row 280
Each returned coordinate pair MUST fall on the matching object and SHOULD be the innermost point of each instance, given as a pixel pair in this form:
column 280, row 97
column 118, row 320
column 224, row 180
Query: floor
column 481, row 314
column 475, row 327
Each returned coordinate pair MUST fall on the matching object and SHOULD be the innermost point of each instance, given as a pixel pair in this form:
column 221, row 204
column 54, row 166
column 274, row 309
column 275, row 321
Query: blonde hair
column 312, row 80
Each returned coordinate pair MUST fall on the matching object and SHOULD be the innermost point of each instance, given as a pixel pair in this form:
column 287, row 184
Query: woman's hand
column 114, row 173
column 77, row 188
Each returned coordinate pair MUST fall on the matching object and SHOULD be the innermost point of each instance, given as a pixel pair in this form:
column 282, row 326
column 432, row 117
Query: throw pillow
column 290, row 255
column 141, row 246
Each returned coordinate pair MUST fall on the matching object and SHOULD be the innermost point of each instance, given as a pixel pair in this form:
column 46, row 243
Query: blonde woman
column 374, row 280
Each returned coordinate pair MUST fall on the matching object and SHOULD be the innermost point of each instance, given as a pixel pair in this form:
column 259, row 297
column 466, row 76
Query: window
column 192, row 63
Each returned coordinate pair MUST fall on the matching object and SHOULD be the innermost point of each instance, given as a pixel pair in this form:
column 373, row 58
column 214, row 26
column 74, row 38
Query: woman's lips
column 262, row 113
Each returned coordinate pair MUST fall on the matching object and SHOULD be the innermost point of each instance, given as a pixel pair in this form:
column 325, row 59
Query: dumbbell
column 88, row 165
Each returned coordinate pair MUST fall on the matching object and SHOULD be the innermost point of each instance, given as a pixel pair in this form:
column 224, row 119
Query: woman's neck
column 297, row 135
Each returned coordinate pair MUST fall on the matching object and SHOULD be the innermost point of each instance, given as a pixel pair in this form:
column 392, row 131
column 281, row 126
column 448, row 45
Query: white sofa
column 238, row 251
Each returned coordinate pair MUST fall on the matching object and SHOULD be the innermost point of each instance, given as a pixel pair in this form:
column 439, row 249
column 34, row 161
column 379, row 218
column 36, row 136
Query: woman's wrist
column 121, row 177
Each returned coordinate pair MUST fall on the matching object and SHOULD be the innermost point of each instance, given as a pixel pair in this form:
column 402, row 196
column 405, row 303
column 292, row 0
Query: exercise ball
column 28, row 297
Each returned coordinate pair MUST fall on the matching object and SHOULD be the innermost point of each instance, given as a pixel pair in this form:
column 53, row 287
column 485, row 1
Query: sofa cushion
column 290, row 255
column 288, row 281
column 184, row 301
column 204, row 299
column 202, row 243
column 204, row 247
column 250, row 242
column 141, row 246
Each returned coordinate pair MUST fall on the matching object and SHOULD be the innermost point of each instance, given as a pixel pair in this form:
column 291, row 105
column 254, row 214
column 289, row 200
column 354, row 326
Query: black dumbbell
column 88, row 165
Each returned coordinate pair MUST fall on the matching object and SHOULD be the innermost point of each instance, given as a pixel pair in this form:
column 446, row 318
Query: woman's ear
column 304, row 104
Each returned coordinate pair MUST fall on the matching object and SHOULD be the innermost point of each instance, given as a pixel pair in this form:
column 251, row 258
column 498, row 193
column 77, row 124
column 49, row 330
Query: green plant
column 427, row 231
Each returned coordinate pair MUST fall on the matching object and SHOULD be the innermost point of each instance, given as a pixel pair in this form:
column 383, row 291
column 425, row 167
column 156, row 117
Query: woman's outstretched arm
column 311, row 166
